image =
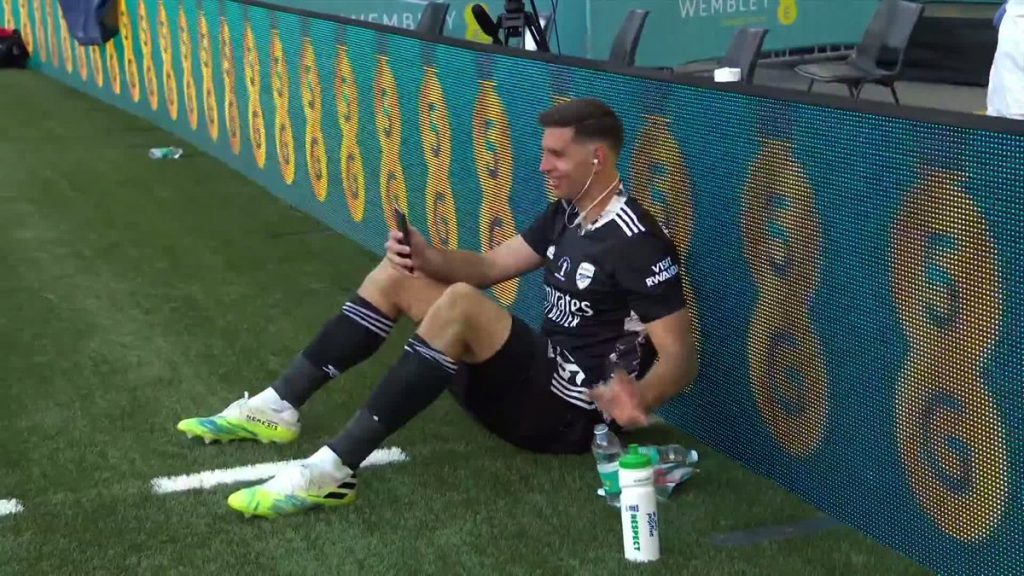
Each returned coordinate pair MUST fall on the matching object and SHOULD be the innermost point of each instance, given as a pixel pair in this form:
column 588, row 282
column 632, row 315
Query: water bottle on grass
column 607, row 449
column 168, row 152
column 639, row 508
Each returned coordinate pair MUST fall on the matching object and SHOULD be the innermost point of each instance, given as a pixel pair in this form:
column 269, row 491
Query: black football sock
column 346, row 340
column 413, row 383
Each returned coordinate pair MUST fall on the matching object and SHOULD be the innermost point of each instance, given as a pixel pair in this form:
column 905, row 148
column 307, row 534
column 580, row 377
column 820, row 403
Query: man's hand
column 620, row 398
column 407, row 258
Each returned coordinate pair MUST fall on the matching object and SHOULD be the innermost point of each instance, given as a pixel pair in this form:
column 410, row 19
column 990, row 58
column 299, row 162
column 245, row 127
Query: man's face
column 566, row 163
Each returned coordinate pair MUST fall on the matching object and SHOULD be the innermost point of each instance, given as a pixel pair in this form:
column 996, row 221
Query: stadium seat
column 878, row 59
column 432, row 19
column 623, row 51
column 744, row 51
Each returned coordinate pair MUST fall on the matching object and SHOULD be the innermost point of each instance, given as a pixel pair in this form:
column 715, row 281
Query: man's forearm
column 670, row 375
column 451, row 266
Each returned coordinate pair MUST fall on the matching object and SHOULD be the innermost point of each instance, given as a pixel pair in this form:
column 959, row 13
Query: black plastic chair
column 432, row 19
column 878, row 59
column 623, row 51
column 744, row 52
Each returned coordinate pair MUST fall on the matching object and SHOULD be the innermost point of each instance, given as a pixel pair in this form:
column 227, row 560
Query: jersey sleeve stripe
column 626, row 227
column 630, row 216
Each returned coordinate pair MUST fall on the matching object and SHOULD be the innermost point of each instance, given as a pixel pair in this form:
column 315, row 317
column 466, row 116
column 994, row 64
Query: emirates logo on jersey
column 565, row 310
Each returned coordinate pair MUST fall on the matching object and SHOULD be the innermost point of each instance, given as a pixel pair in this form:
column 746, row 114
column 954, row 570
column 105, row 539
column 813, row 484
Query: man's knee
column 397, row 292
column 466, row 324
column 457, row 303
column 460, row 298
column 384, row 276
column 389, row 283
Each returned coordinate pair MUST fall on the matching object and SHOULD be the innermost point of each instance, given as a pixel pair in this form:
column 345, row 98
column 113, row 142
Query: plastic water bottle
column 168, row 152
column 639, row 507
column 607, row 450
column 669, row 454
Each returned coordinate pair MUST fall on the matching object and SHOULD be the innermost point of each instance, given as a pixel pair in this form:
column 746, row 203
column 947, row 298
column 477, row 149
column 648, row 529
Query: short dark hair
column 591, row 119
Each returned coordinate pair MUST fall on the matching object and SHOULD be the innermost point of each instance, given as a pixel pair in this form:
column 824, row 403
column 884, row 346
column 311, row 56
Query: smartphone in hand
column 403, row 224
column 403, row 227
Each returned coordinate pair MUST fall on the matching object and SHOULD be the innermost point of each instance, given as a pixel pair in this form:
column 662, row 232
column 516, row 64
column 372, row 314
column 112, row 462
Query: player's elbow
column 487, row 275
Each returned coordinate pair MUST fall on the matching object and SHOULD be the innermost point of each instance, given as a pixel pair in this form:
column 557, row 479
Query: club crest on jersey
column 563, row 268
column 584, row 274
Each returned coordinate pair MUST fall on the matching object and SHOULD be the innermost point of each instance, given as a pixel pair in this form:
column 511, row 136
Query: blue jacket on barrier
column 91, row 22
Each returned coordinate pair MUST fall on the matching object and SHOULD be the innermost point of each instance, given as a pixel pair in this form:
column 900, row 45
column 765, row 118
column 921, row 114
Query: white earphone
column 579, row 218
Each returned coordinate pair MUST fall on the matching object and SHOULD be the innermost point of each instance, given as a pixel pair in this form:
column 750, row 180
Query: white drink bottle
column 639, row 506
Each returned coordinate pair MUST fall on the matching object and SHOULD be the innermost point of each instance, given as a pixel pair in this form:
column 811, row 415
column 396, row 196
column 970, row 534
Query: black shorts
column 510, row 395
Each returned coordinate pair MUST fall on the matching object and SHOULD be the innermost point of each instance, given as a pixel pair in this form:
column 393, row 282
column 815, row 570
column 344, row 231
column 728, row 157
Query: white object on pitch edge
column 728, row 75
column 10, row 506
column 252, row 473
column 639, row 507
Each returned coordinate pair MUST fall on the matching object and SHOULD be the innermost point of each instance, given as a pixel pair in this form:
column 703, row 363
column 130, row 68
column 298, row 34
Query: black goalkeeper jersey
column 601, row 287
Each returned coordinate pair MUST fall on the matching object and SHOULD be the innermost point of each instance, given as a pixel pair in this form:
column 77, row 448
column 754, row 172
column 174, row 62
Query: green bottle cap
column 634, row 459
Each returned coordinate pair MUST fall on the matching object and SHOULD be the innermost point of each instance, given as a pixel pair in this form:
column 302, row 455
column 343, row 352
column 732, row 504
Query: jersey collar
column 613, row 207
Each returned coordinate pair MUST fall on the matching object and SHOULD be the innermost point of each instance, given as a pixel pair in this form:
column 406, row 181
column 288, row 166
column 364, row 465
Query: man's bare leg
column 463, row 325
column 396, row 293
column 358, row 331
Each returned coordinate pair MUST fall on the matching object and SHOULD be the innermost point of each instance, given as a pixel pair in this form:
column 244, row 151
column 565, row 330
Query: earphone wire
column 579, row 219
column 572, row 203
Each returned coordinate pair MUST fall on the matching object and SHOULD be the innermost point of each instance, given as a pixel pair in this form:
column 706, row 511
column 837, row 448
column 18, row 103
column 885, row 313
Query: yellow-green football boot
column 302, row 486
column 247, row 419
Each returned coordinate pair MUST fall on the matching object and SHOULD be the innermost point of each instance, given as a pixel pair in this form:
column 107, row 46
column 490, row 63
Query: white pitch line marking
column 10, row 506
column 251, row 473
